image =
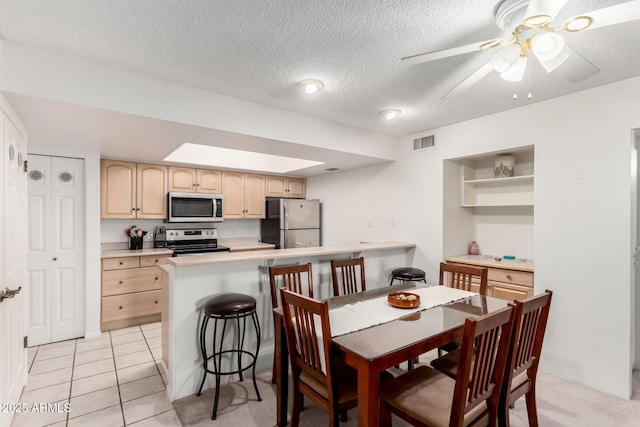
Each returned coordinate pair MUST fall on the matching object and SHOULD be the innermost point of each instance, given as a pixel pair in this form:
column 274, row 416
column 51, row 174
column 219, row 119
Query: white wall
column 582, row 216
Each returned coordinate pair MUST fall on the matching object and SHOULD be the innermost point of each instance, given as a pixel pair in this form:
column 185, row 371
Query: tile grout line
column 73, row 367
column 115, row 368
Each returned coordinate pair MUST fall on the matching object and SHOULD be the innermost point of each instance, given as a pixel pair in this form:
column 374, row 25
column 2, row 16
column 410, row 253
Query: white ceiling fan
column 534, row 31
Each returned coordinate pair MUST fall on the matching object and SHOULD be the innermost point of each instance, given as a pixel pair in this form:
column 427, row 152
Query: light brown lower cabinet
column 507, row 284
column 131, row 291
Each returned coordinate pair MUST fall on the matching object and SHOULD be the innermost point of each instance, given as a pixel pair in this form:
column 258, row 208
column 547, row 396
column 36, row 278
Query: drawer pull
column 156, row 278
column 121, row 263
column 157, row 260
column 120, row 282
column 120, row 308
column 509, row 276
column 156, row 302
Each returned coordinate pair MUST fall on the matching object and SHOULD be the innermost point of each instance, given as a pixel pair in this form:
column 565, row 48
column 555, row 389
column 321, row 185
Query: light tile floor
column 111, row 380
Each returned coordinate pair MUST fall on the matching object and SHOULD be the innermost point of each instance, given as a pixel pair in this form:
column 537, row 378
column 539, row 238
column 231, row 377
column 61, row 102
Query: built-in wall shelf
column 495, row 212
column 510, row 191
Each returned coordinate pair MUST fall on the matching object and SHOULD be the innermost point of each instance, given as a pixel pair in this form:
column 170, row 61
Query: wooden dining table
column 377, row 348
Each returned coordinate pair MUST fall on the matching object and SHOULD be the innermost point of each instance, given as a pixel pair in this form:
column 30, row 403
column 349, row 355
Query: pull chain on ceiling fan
column 534, row 32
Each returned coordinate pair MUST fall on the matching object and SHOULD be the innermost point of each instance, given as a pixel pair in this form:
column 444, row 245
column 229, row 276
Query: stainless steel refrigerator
column 291, row 223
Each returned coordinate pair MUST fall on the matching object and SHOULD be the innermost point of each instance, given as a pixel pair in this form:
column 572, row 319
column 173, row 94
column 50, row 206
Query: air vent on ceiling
column 424, row 143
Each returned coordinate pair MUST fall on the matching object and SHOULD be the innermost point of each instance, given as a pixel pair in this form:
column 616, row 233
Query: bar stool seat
column 407, row 274
column 228, row 307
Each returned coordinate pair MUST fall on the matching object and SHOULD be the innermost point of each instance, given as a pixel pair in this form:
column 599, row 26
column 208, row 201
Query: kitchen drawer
column 133, row 280
column 523, row 278
column 120, row 307
column 509, row 292
column 152, row 260
column 120, row 263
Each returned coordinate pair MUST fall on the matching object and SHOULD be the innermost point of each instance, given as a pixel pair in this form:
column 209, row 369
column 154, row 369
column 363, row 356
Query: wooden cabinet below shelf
column 504, row 283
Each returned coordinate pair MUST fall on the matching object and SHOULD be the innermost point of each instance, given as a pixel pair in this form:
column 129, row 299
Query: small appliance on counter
column 291, row 223
column 188, row 241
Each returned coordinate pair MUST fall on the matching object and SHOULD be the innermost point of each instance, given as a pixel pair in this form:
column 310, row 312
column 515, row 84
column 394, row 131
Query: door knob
column 9, row 293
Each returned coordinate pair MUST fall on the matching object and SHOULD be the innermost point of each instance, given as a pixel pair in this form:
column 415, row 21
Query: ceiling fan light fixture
column 516, row 72
column 506, row 58
column 310, row 86
column 390, row 114
column 547, row 46
column 577, row 23
column 536, row 21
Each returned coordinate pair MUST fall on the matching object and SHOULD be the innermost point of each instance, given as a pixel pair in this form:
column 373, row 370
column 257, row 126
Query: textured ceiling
column 258, row 50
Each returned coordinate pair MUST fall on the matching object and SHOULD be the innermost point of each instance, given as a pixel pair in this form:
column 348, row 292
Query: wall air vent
column 424, row 143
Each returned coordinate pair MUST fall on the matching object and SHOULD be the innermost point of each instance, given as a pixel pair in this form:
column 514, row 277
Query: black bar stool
column 228, row 307
column 407, row 274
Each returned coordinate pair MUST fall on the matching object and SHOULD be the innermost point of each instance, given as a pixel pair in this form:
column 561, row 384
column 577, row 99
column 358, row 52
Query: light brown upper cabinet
column 190, row 180
column 132, row 190
column 286, row 186
column 243, row 195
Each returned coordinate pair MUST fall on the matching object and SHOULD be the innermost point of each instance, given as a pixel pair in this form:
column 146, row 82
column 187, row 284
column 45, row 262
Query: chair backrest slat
column 348, row 275
column 483, row 359
column 529, row 331
column 462, row 276
column 308, row 333
column 291, row 277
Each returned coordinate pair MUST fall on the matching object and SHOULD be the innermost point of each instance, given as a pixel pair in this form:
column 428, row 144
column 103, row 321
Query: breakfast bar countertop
column 270, row 254
column 493, row 261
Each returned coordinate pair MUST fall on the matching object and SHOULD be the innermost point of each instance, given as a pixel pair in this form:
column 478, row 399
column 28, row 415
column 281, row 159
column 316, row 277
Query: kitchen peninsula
column 188, row 282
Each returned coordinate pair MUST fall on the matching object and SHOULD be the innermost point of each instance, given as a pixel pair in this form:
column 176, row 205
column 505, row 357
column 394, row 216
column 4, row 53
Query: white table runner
column 364, row 314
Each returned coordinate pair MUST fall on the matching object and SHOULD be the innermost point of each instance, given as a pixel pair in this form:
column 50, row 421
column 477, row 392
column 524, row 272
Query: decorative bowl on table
column 403, row 300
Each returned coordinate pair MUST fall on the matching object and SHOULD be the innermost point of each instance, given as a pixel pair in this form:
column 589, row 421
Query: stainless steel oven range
column 189, row 241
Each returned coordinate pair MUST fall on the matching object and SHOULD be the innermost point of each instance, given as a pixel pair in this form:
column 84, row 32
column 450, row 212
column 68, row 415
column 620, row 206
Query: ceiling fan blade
column 612, row 15
column 446, row 53
column 576, row 68
column 544, row 7
column 467, row 83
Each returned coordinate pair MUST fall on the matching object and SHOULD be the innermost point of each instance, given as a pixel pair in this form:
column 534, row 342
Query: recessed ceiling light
column 197, row 154
column 390, row 114
column 310, row 86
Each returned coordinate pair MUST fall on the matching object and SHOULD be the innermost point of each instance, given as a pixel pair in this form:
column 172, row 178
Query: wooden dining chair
column 427, row 397
column 466, row 277
column 297, row 278
column 531, row 317
column 350, row 274
column 329, row 383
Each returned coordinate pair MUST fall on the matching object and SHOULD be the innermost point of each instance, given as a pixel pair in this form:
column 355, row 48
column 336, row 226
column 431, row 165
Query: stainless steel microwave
column 194, row 207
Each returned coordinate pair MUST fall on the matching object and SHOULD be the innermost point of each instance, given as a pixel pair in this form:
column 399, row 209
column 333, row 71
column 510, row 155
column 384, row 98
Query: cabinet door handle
column 156, row 302
column 120, row 308
column 55, row 259
column 120, row 282
column 156, row 278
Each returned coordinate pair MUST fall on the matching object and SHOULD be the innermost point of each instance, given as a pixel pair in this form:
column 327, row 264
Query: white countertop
column 118, row 253
column 492, row 261
column 220, row 257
